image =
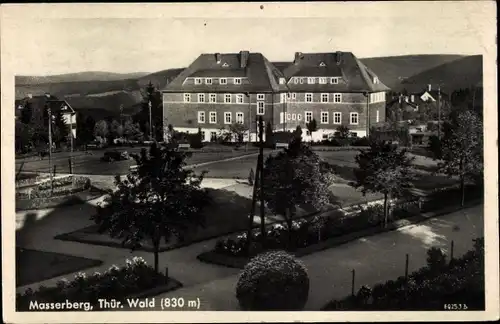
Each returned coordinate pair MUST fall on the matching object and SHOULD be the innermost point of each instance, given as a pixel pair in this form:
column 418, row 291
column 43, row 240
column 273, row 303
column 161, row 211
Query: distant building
column 39, row 109
column 220, row 89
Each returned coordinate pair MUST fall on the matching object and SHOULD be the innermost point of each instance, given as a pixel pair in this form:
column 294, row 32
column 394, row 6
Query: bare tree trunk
column 462, row 189
column 252, row 210
column 156, row 246
column 385, row 210
column 288, row 219
column 462, row 183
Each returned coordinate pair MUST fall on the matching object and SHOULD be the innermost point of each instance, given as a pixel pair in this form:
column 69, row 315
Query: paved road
column 376, row 259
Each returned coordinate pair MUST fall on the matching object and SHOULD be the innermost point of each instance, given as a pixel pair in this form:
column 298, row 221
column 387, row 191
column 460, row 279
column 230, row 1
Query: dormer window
column 296, row 80
column 223, row 81
column 208, row 81
column 322, row 80
column 322, row 64
column 197, row 81
column 282, row 80
column 237, row 80
column 375, row 80
column 334, row 80
column 310, row 80
column 225, row 65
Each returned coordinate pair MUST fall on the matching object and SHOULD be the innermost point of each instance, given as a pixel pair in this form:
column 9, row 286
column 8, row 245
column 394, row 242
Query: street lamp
column 49, row 113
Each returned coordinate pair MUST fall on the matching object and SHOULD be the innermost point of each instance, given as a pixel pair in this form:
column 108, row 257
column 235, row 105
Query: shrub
column 459, row 282
column 436, row 259
column 273, row 281
column 362, row 141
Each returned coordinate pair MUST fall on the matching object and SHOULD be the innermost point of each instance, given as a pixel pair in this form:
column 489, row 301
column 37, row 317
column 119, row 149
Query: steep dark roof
column 261, row 74
column 358, row 77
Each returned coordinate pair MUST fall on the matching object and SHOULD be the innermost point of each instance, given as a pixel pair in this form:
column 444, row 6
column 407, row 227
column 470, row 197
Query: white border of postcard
column 485, row 29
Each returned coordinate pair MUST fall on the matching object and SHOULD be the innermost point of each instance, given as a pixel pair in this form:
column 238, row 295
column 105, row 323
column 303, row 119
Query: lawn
column 48, row 265
column 227, row 214
column 91, row 164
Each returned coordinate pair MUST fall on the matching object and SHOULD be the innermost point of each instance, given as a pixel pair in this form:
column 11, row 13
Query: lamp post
column 49, row 113
column 150, row 121
column 247, row 94
column 367, row 95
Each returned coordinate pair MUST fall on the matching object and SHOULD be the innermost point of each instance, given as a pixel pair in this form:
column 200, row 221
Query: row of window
column 239, row 98
column 212, row 98
column 308, row 116
column 312, row 80
column 222, row 81
column 212, row 117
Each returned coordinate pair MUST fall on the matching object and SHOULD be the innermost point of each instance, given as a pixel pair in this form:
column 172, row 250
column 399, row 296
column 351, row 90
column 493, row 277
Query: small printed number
column 455, row 307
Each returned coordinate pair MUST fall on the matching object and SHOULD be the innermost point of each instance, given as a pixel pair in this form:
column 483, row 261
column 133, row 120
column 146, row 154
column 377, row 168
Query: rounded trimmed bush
column 273, row 281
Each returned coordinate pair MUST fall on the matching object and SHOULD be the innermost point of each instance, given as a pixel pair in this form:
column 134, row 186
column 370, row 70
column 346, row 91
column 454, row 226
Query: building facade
column 218, row 90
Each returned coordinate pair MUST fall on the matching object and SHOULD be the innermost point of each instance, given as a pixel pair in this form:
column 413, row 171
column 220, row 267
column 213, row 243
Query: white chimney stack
column 430, row 87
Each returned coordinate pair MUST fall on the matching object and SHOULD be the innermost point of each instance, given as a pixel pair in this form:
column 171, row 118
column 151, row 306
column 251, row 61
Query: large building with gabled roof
column 220, row 89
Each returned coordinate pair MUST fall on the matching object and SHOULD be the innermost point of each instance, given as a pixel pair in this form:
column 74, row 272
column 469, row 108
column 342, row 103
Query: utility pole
column 150, row 121
column 247, row 94
column 261, row 182
column 367, row 95
column 49, row 112
column 439, row 112
column 71, row 139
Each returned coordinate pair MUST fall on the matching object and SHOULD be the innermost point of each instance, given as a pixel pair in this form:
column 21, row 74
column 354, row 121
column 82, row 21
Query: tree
column 297, row 134
column 269, row 133
column 238, row 131
column 26, row 113
column 295, row 178
column 383, row 168
column 101, row 129
column 462, row 148
column 163, row 199
column 344, row 132
column 150, row 94
column 60, row 129
column 132, row 131
column 23, row 136
column 116, row 129
column 84, row 129
column 312, row 127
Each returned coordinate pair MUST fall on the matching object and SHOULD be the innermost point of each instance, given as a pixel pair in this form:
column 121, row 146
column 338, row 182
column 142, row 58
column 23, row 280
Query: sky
column 47, row 44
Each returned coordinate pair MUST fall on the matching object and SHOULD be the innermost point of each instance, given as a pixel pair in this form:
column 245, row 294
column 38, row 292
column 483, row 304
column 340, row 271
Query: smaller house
column 38, row 104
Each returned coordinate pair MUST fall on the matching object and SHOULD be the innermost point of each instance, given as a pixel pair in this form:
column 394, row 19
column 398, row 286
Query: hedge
column 115, row 283
column 458, row 283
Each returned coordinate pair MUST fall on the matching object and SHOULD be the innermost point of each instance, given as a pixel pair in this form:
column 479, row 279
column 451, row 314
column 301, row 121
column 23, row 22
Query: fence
column 406, row 268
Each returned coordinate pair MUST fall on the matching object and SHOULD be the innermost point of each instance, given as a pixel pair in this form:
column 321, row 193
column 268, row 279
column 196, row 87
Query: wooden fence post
column 353, row 278
column 407, row 263
column 451, row 249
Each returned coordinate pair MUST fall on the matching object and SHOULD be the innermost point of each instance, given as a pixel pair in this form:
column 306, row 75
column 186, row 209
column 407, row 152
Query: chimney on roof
column 412, row 98
column 430, row 87
column 298, row 56
column 30, row 95
column 218, row 58
column 338, row 57
column 244, row 58
column 47, row 95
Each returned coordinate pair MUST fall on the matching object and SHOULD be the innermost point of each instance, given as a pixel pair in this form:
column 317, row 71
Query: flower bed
column 457, row 283
column 61, row 187
column 134, row 279
column 306, row 232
